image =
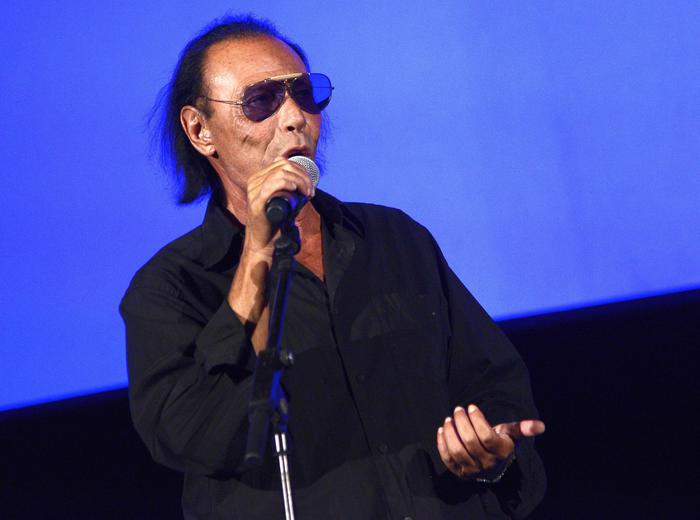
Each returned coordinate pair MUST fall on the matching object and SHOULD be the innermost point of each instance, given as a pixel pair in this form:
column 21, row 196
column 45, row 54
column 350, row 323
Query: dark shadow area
column 81, row 459
column 616, row 385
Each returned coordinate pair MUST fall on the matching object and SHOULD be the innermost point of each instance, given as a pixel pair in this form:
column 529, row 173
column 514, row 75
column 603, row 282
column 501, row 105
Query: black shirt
column 385, row 348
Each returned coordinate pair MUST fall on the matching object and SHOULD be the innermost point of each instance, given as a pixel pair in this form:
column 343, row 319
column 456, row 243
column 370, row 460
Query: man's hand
column 280, row 176
column 470, row 447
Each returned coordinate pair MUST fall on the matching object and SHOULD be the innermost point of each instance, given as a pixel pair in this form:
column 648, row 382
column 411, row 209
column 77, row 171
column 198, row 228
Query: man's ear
column 195, row 126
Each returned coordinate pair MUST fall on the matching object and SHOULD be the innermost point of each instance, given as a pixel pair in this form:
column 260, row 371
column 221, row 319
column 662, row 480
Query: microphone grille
column 309, row 166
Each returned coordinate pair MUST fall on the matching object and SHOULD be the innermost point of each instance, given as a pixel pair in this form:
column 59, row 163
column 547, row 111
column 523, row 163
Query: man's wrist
column 494, row 476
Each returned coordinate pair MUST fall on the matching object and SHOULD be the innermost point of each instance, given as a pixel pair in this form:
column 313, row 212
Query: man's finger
column 489, row 439
column 532, row 427
column 462, row 471
column 454, row 445
column 520, row 429
column 470, row 439
column 444, row 454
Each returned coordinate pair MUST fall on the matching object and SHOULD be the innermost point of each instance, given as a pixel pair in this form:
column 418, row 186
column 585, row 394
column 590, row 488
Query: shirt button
column 360, row 378
column 407, row 518
column 383, row 448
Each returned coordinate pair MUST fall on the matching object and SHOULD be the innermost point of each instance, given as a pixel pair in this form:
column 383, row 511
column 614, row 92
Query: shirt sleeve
column 189, row 379
column 485, row 369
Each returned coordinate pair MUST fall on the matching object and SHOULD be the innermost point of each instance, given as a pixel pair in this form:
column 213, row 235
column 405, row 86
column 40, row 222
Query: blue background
column 551, row 147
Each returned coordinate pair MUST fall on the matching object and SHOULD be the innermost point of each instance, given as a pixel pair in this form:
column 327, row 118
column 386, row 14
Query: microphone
column 281, row 208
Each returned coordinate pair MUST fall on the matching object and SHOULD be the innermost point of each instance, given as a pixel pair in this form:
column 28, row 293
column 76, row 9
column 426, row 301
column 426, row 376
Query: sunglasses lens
column 262, row 100
column 312, row 92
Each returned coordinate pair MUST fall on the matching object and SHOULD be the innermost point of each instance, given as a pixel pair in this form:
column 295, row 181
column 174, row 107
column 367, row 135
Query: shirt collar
column 222, row 233
column 335, row 213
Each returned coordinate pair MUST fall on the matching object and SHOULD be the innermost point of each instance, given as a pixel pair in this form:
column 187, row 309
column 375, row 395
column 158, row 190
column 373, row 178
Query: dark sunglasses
column 311, row 91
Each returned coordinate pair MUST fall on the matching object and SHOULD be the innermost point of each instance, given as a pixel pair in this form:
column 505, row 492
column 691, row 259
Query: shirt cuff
column 523, row 485
column 223, row 342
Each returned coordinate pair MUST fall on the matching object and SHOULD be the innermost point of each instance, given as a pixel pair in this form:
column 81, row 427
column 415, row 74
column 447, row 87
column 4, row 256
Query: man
column 399, row 374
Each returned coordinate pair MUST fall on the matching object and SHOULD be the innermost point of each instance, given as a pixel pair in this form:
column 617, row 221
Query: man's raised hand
column 470, row 447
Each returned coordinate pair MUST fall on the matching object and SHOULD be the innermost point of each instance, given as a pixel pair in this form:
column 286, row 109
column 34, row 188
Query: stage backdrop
column 551, row 147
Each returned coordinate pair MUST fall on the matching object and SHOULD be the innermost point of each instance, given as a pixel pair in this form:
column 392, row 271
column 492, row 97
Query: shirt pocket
column 414, row 326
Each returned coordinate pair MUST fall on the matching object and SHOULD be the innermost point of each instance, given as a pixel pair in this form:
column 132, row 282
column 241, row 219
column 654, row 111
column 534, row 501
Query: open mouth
column 296, row 151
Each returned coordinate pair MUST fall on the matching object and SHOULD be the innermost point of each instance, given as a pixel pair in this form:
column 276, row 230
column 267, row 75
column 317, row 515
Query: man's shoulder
column 382, row 218
column 361, row 214
column 165, row 267
column 377, row 210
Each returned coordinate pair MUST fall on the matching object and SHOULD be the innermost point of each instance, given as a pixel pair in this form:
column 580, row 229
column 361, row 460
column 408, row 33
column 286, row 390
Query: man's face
column 243, row 147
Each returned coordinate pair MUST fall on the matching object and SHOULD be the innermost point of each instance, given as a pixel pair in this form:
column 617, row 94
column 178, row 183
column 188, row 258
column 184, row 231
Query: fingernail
column 472, row 408
column 440, row 430
column 448, row 419
column 459, row 409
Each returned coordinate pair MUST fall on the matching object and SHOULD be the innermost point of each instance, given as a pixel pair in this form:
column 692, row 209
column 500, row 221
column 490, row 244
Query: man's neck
column 311, row 254
column 237, row 204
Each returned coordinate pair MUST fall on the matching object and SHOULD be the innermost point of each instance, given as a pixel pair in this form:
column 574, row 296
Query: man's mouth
column 297, row 151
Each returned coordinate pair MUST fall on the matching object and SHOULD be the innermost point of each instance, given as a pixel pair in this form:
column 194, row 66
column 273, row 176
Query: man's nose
column 291, row 116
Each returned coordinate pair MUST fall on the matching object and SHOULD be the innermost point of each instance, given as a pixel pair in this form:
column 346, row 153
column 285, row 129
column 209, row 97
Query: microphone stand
column 268, row 403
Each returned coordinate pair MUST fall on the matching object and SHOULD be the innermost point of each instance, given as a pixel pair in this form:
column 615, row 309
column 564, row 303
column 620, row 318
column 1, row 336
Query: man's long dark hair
column 193, row 174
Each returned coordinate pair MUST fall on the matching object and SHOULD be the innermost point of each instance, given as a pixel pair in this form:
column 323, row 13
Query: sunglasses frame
column 287, row 80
